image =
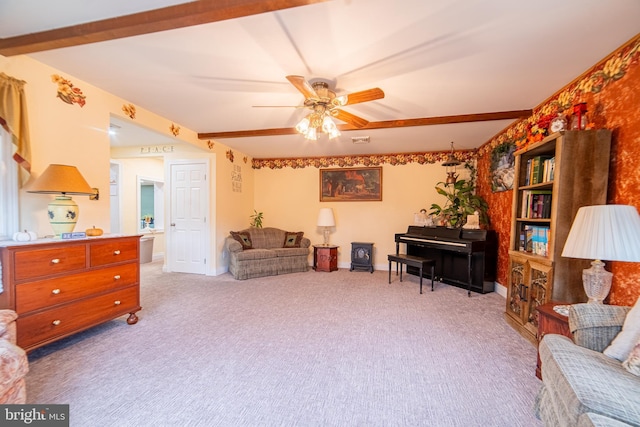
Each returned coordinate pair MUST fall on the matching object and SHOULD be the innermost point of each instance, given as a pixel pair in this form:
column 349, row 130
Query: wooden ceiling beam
column 167, row 18
column 426, row 121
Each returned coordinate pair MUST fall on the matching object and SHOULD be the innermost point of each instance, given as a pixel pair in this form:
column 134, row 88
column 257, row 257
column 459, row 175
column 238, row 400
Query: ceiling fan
column 324, row 105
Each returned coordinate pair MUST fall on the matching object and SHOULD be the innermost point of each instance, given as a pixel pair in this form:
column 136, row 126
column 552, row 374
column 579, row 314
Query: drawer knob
column 55, row 261
column 117, row 277
column 55, row 291
column 116, row 302
column 56, row 322
column 116, row 252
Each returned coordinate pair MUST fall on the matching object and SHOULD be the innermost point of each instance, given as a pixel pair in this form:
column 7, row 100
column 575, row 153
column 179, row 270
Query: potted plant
column 256, row 219
column 461, row 201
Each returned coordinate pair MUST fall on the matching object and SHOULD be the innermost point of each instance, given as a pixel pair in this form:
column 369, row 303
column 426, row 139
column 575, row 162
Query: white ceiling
column 431, row 58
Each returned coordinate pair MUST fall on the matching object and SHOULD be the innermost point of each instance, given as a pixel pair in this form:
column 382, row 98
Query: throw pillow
column 632, row 364
column 292, row 240
column 622, row 344
column 243, row 237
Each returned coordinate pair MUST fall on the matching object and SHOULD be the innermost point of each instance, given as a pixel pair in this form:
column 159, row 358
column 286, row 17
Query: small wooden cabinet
column 325, row 258
column 553, row 179
column 550, row 322
column 59, row 287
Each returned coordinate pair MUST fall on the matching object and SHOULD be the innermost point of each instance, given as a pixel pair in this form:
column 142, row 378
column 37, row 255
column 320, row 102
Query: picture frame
column 502, row 167
column 351, row 184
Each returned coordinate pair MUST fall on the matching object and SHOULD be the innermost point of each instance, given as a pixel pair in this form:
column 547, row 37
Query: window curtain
column 13, row 117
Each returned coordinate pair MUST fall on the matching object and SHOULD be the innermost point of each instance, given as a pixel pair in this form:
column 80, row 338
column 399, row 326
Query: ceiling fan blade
column 349, row 118
column 364, row 96
column 303, row 86
column 278, row 106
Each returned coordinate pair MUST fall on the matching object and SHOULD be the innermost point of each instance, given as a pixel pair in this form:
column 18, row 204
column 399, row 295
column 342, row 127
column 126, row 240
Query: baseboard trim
column 500, row 290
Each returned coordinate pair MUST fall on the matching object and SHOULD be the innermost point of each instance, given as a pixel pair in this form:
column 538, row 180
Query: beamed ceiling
column 456, row 71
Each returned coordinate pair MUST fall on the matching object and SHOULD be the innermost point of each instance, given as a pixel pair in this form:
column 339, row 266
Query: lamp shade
column 605, row 232
column 61, row 179
column 325, row 218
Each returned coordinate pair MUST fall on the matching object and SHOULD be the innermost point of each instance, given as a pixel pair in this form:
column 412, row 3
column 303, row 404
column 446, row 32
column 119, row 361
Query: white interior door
column 189, row 205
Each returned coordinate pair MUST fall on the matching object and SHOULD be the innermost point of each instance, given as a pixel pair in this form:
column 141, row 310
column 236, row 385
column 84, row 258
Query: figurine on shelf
column 558, row 124
column 579, row 119
column 473, row 222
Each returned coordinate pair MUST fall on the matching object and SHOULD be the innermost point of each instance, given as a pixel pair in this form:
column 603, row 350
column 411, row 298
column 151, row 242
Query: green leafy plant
column 256, row 219
column 461, row 201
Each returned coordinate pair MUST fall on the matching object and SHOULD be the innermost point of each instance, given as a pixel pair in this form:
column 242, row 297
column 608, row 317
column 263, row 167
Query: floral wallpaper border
column 534, row 128
column 520, row 133
column 365, row 160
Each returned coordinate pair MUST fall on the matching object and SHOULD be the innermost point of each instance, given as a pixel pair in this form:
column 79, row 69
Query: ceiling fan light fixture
column 303, row 125
column 341, row 101
column 324, row 104
column 316, row 119
column 311, row 134
column 334, row 133
column 327, row 124
column 323, row 91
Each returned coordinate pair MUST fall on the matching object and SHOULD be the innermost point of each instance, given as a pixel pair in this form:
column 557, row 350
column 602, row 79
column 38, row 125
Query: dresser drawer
column 70, row 318
column 49, row 292
column 45, row 262
column 109, row 252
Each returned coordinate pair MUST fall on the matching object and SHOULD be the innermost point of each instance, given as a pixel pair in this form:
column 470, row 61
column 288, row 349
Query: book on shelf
column 536, row 204
column 548, row 169
column 534, row 239
column 537, row 169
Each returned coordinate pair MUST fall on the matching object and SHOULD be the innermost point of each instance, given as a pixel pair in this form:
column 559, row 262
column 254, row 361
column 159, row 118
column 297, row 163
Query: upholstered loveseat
column 268, row 251
column 13, row 362
column 583, row 385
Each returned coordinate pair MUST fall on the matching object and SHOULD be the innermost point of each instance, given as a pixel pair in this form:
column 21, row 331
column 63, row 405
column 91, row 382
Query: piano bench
column 413, row 261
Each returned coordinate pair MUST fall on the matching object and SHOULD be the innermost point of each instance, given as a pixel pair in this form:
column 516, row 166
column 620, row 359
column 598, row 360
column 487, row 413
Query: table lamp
column 609, row 232
column 326, row 220
column 62, row 180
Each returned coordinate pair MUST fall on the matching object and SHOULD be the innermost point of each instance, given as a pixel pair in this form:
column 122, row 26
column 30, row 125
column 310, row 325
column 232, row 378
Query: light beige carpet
column 303, row 349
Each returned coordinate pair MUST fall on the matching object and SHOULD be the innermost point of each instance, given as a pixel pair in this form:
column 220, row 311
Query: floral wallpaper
column 610, row 90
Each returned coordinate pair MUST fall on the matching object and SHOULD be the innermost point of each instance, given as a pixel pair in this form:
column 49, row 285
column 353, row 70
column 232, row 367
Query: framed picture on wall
column 351, row 185
column 502, row 167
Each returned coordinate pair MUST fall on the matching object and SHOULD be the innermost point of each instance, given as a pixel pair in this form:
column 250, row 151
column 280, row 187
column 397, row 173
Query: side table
column 325, row 258
column 361, row 256
column 550, row 322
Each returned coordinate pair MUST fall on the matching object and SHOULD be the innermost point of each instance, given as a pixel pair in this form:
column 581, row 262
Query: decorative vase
column 63, row 215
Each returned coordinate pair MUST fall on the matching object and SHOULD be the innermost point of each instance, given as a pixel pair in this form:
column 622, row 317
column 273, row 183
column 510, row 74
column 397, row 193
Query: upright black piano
column 464, row 258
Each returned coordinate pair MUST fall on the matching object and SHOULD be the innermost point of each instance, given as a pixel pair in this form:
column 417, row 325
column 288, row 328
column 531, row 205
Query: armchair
column 581, row 386
column 13, row 362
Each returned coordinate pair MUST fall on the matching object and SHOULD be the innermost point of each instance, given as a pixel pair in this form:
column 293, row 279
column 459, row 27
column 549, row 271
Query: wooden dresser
column 60, row 287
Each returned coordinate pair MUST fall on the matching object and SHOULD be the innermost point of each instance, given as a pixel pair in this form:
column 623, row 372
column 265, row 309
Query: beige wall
column 70, row 134
column 289, row 199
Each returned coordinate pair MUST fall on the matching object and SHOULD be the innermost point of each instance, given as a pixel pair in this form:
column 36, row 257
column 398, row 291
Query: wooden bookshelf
column 579, row 179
